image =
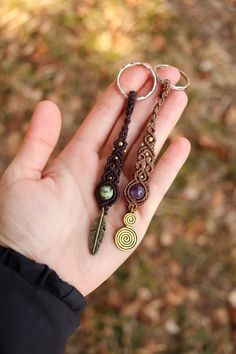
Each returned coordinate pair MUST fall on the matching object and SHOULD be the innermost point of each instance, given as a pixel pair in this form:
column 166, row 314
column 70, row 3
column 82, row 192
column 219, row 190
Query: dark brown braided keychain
column 107, row 190
column 137, row 190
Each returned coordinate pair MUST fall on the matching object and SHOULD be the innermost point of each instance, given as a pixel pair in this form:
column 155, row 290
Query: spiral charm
column 126, row 238
column 129, row 219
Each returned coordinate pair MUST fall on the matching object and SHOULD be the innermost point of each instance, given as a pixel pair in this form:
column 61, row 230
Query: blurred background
column 177, row 293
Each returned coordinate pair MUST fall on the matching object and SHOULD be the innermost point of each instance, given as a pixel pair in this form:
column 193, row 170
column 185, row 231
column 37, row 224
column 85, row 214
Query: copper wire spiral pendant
column 126, row 237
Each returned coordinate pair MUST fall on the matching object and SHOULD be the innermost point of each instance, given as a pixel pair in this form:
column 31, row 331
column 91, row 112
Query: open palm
column 46, row 214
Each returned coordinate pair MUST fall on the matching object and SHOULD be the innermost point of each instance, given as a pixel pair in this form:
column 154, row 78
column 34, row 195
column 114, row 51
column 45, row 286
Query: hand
column 46, row 213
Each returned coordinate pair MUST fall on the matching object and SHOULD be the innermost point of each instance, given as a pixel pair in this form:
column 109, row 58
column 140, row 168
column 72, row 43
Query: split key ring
column 155, row 78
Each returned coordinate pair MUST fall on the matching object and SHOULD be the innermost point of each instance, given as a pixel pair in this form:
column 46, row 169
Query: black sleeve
column 38, row 310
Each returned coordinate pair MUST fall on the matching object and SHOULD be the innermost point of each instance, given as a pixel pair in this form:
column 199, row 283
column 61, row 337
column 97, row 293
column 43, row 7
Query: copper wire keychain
column 107, row 190
column 137, row 190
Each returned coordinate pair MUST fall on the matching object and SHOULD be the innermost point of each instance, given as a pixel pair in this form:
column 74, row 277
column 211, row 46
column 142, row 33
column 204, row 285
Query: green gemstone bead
column 106, row 192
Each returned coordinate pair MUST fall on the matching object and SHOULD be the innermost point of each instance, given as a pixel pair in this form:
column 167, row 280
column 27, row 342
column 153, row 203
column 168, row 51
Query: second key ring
column 146, row 66
column 174, row 87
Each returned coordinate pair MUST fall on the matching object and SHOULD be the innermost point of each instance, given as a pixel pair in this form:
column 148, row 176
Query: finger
column 39, row 141
column 167, row 118
column 141, row 112
column 99, row 122
column 164, row 174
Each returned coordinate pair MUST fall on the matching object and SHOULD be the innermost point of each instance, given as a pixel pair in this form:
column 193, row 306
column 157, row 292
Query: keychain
column 137, row 190
column 107, row 190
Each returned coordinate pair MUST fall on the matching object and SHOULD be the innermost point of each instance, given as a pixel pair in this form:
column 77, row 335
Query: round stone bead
column 106, row 192
column 137, row 191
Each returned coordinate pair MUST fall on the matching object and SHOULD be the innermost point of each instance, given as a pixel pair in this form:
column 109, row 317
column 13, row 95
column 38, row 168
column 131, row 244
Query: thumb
column 39, row 141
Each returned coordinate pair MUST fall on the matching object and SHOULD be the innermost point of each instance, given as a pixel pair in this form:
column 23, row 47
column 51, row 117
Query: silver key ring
column 149, row 68
column 174, row 87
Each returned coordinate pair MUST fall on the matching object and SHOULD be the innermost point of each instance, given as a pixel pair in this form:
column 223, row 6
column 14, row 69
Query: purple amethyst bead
column 137, row 191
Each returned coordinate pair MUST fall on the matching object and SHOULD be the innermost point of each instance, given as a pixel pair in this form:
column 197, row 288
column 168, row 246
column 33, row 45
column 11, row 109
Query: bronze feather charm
column 97, row 232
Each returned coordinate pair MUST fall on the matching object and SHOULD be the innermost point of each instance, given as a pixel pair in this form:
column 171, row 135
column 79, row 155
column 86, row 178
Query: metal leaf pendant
column 97, row 233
